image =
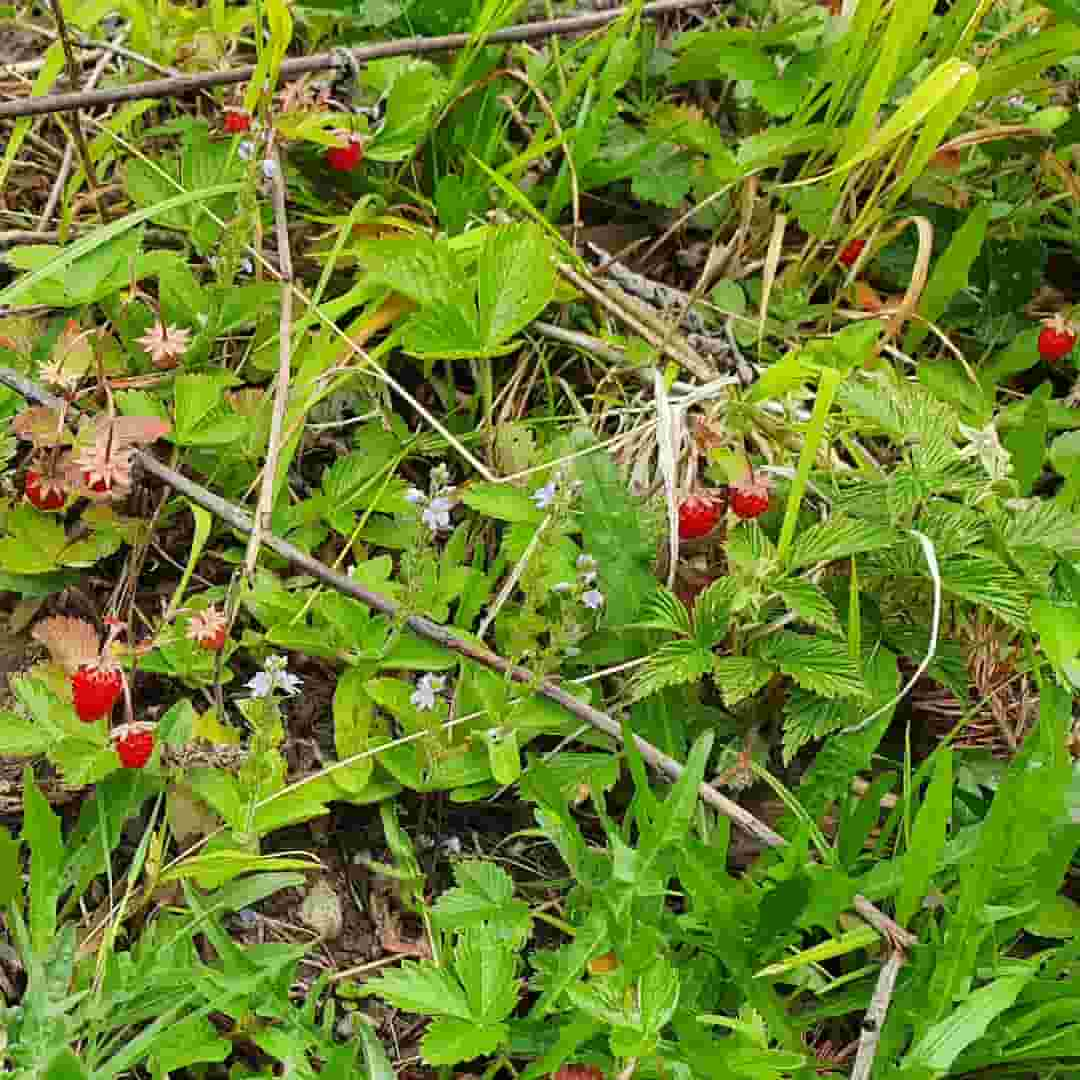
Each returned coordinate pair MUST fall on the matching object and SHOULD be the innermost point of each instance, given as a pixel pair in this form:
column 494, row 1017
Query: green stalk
column 828, row 384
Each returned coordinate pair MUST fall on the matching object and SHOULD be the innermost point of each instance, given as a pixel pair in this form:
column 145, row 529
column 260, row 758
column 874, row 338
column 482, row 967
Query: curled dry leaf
column 72, row 643
column 41, row 426
column 322, row 910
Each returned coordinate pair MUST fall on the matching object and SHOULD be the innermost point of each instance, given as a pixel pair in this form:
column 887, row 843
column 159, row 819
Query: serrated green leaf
column 805, row 600
column 674, row 663
column 665, row 611
column 818, row 664
column 487, row 969
column 516, row 280
column 484, row 893
column 738, row 677
column 421, row 987
column 449, row 1041
column 839, row 538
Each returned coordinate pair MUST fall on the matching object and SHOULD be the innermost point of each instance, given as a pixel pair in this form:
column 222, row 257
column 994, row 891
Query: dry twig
column 328, row 61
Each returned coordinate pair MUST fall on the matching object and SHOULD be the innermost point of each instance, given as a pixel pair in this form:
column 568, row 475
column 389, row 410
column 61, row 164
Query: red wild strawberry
column 750, row 499
column 95, row 691
column 42, row 492
column 345, row 158
column 698, row 516
column 236, row 122
column 134, row 743
column 1056, row 339
column 852, row 251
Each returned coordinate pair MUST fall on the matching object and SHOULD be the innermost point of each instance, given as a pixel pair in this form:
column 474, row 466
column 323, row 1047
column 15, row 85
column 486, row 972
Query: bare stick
column 284, row 376
column 76, row 120
column 69, row 152
column 875, row 1016
column 161, row 88
column 686, row 359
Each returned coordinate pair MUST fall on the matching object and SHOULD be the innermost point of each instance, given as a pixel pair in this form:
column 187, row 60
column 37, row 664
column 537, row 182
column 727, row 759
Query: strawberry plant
column 484, row 592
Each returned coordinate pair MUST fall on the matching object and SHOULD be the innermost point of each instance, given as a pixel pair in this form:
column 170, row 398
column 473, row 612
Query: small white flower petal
column 593, row 599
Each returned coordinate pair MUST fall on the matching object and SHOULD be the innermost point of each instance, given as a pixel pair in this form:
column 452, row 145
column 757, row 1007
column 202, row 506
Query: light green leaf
column 950, row 274
column 484, row 893
column 807, row 601
column 738, row 677
column 517, row 280
column 945, row 1041
column 354, row 712
column 502, row 502
column 818, row 664
column 41, row 833
column 421, row 987
column 21, row 286
column 927, row 839
column 839, row 538
column 21, row 737
column 449, row 1041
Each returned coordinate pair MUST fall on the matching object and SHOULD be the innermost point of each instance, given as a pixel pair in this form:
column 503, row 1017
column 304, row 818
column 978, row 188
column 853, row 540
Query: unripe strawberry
column 95, row 691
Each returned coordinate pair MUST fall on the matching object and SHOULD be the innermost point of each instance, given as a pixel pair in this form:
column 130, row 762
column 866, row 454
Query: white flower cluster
column 434, row 508
column 427, row 690
column 590, row 595
column 274, row 676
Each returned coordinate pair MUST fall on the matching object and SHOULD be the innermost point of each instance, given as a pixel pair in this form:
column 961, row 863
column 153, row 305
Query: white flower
column 440, row 477
column 593, row 599
column 423, row 697
column 269, row 168
column 415, row 496
column 436, row 514
column 274, row 676
column 985, row 445
column 246, row 150
column 545, row 496
column 261, row 685
column 589, row 577
column 247, row 266
column 562, row 586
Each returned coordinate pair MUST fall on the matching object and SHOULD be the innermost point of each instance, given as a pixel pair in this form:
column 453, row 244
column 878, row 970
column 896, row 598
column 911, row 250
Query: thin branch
column 875, row 1016
column 290, row 69
column 686, row 359
column 284, row 376
column 432, row 631
column 76, row 120
column 69, row 152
